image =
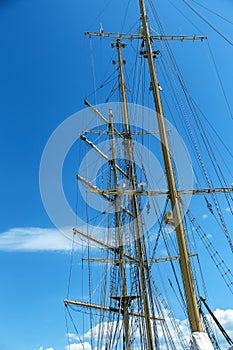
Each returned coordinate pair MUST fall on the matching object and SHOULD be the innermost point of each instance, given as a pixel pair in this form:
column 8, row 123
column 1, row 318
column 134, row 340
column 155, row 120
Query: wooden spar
column 126, row 192
column 101, row 243
column 113, row 35
column 115, row 261
column 101, row 116
column 92, row 145
column 95, row 188
column 110, row 309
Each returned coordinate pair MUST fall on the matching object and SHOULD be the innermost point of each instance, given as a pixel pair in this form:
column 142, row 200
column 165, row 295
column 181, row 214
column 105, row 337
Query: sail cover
column 201, row 341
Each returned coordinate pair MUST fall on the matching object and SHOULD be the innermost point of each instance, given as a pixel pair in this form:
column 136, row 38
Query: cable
column 209, row 23
column 195, row 140
column 220, row 80
column 101, row 12
column 186, row 17
column 215, row 13
column 93, row 68
column 71, row 265
column 225, row 272
column 76, row 329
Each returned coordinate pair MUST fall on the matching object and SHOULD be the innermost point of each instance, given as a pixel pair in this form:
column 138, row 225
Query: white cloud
column 102, row 327
column 229, row 209
column 72, row 336
column 43, row 239
column 83, row 346
column 50, row 349
column 204, row 216
column 93, row 333
column 33, row 239
column 225, row 318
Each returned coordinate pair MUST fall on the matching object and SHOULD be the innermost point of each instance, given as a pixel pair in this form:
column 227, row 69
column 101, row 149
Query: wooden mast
column 138, row 233
column 123, row 300
column 191, row 301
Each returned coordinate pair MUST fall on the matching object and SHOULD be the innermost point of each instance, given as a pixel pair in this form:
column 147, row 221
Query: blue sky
column 43, row 79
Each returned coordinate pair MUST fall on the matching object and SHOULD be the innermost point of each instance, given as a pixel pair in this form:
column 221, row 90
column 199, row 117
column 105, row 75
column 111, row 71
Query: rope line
column 209, row 23
column 215, row 13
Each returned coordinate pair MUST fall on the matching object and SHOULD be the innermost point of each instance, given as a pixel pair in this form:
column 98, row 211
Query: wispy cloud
column 45, row 239
column 33, row 239
column 229, row 209
column 204, row 216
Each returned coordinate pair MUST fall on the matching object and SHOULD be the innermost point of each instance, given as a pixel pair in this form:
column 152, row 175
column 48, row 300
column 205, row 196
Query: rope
column 186, row 17
column 101, row 12
column 194, row 138
column 215, row 13
column 71, row 266
column 220, row 80
column 76, row 329
column 225, row 272
column 93, row 68
column 67, row 329
column 209, row 23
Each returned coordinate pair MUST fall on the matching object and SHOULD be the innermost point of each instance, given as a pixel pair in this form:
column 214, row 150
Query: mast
column 187, row 278
column 123, row 300
column 139, row 243
column 119, row 46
